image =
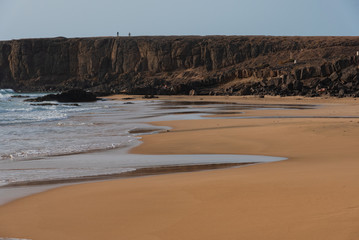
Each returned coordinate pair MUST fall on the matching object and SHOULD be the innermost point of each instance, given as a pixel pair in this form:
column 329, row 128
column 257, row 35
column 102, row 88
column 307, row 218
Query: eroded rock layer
column 238, row 65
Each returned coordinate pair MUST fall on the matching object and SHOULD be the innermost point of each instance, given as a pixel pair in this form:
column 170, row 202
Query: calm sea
column 34, row 133
column 57, row 141
column 34, row 130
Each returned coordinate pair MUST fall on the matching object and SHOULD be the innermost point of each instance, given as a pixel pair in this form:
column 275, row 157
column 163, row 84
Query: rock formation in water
column 234, row 65
column 73, row 95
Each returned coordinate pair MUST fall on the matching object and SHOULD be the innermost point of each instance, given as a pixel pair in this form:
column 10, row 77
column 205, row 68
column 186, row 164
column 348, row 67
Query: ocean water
column 33, row 133
column 34, row 130
column 58, row 141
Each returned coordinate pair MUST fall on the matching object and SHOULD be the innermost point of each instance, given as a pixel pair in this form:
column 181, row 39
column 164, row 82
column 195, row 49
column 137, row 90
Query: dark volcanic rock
column 74, row 95
column 231, row 65
column 20, row 96
column 42, row 104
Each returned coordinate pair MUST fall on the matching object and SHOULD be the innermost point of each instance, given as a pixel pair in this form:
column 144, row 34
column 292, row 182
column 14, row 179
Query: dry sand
column 312, row 195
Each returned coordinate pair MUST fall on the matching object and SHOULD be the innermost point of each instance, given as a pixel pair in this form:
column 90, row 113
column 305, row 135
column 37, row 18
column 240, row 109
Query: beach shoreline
column 16, row 185
column 313, row 195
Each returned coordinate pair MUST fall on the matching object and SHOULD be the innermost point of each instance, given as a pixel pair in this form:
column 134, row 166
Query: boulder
column 74, row 95
column 341, row 93
column 192, row 92
column 349, row 74
column 334, row 76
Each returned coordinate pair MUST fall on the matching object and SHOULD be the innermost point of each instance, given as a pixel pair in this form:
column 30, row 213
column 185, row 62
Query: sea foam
column 6, row 94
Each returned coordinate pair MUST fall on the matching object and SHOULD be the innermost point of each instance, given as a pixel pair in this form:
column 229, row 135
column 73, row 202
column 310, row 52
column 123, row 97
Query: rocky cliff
column 238, row 65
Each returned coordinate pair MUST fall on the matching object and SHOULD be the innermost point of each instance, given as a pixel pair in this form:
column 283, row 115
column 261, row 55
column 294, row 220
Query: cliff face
column 173, row 65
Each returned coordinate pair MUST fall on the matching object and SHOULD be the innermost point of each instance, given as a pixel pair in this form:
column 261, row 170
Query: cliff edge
column 234, row 65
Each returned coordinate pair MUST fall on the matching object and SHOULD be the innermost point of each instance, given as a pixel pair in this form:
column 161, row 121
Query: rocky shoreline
column 209, row 65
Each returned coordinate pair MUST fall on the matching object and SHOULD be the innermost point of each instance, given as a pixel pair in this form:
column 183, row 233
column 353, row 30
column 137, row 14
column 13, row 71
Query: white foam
column 6, row 94
column 14, row 239
column 3, row 183
column 48, row 149
column 11, row 176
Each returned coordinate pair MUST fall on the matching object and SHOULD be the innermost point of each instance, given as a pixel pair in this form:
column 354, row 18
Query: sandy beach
column 312, row 195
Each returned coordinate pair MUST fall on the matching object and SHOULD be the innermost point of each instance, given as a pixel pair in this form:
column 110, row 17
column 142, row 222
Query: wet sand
column 312, row 195
column 140, row 172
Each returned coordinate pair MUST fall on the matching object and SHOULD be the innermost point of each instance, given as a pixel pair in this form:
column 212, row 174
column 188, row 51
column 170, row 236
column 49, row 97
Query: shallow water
column 13, row 239
column 27, row 177
column 29, row 130
column 62, row 142
column 106, row 163
column 45, row 131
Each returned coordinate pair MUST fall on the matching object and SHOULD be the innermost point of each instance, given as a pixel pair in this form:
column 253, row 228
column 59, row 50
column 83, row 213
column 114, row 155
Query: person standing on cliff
column 129, row 34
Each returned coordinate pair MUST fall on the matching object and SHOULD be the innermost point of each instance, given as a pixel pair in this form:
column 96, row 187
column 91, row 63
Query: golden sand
column 312, row 195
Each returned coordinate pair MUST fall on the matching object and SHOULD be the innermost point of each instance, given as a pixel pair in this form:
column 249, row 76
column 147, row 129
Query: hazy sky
column 85, row 18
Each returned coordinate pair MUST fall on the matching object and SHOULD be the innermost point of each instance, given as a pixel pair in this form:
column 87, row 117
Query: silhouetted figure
column 129, row 34
column 118, row 34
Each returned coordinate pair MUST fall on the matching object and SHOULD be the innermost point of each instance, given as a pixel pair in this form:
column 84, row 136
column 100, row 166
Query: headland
column 204, row 65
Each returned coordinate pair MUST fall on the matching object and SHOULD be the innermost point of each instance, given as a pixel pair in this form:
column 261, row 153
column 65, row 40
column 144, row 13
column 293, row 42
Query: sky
column 92, row 18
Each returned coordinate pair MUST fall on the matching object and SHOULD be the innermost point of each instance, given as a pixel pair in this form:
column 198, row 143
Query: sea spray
column 6, row 94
